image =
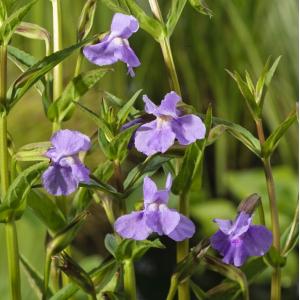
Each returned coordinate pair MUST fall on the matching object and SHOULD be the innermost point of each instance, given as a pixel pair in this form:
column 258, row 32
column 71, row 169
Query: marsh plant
column 55, row 180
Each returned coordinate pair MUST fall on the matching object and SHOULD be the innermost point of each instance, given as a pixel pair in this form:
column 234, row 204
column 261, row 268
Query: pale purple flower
column 160, row 134
column 66, row 170
column 237, row 240
column 115, row 45
column 155, row 217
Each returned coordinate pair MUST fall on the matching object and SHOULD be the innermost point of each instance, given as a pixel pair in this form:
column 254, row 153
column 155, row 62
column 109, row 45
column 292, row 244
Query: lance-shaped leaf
column 86, row 19
column 127, row 108
column 76, row 273
column 201, row 7
column 10, row 24
column 174, row 14
column 59, row 242
column 101, row 276
column 228, row 271
column 197, row 291
column 38, row 70
column 63, row 108
column 192, row 161
column 265, row 80
column 47, row 211
column 34, row 278
column 273, row 140
column 21, row 186
column 33, row 152
column 237, row 131
column 95, row 183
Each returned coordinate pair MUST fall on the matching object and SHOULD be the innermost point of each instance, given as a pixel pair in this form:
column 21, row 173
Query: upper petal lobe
column 124, row 25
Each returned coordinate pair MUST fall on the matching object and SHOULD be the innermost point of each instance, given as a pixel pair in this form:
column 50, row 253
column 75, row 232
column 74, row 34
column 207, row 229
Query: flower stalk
column 57, row 45
column 276, row 276
column 129, row 280
column 10, row 227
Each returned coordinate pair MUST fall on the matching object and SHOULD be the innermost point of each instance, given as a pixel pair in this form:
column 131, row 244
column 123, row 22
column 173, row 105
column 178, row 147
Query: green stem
column 47, row 269
column 78, row 64
column 276, row 277
column 166, row 50
column 10, row 227
column 173, row 288
column 129, row 280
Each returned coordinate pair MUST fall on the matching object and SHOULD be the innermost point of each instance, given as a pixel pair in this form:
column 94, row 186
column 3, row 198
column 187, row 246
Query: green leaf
column 10, row 24
column 111, row 244
column 175, row 12
column 21, row 186
column 134, row 250
column 201, row 7
column 47, row 211
column 98, row 185
column 34, row 277
column 101, row 276
column 198, row 292
column 96, row 119
column 228, row 271
column 38, row 70
column 127, row 108
column 248, row 95
column 275, row 258
column 273, row 140
column 63, row 108
column 33, row 152
column 150, row 165
column 86, row 19
column 237, row 131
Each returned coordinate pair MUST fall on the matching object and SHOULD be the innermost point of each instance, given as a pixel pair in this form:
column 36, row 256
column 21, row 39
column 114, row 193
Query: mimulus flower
column 155, row 217
column 238, row 240
column 160, row 134
column 115, row 45
column 66, row 171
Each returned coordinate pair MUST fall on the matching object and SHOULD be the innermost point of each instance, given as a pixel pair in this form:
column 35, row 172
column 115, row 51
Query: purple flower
column 238, row 240
column 160, row 134
column 115, row 45
column 155, row 217
column 66, row 171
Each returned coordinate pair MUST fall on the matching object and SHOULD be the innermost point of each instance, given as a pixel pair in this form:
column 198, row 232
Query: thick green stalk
column 129, row 280
column 10, row 227
column 276, row 276
column 57, row 45
column 173, row 288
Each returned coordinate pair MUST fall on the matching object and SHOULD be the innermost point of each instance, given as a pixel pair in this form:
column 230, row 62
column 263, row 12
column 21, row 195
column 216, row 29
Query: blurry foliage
column 240, row 35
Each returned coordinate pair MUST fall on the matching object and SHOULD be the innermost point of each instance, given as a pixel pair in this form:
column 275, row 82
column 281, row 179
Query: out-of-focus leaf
column 201, row 7
column 273, row 140
column 33, row 152
column 275, row 258
column 175, row 12
column 21, row 186
column 63, row 108
column 198, row 292
column 111, row 244
column 47, row 211
column 38, row 70
column 10, row 24
column 34, row 277
column 86, row 19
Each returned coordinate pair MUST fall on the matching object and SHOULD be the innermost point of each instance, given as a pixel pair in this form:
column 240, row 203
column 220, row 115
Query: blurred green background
column 241, row 35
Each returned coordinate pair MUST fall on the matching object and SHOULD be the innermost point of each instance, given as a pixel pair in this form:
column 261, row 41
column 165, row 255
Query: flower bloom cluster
column 115, row 45
column 155, row 217
column 235, row 240
column 239, row 239
column 66, row 170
